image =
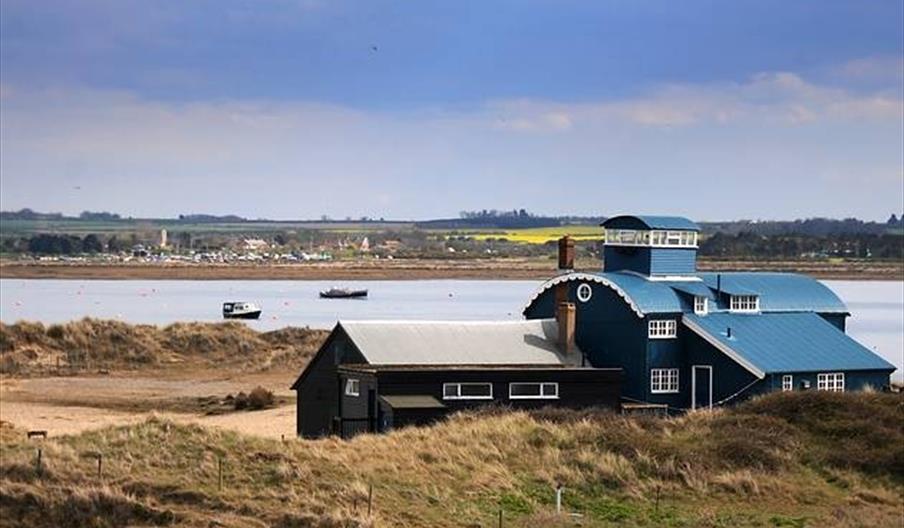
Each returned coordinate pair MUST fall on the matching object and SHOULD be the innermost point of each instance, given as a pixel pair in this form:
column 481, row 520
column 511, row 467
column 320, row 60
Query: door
column 701, row 387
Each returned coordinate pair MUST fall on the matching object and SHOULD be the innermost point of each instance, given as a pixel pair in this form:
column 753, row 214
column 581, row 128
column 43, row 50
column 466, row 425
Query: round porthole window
column 584, row 292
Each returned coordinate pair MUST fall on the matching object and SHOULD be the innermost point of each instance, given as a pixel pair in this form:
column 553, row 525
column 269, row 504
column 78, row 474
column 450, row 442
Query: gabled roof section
column 784, row 342
column 678, row 223
column 530, row 342
column 779, row 292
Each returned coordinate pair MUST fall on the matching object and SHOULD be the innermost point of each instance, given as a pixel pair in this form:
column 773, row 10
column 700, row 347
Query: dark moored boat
column 343, row 293
column 241, row 310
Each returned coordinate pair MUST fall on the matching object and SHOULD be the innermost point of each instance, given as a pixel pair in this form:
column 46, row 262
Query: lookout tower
column 650, row 245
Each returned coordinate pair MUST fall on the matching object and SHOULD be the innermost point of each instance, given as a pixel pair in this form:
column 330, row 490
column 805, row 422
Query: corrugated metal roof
column 779, row 292
column 695, row 288
column 784, row 342
column 413, row 401
column 530, row 342
column 654, row 222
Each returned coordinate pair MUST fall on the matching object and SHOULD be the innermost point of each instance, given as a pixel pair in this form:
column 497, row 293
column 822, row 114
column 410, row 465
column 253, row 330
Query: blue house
column 689, row 340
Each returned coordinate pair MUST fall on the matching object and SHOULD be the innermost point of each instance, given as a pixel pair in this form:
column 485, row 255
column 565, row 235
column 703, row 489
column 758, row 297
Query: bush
column 259, row 398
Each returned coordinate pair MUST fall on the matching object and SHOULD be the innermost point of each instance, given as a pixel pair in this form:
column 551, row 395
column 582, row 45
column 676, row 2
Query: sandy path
column 70, row 405
column 65, row 420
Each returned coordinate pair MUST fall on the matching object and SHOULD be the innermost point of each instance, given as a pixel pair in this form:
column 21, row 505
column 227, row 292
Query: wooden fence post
column 370, row 500
column 559, row 490
column 219, row 473
column 38, row 461
column 500, row 517
column 100, row 461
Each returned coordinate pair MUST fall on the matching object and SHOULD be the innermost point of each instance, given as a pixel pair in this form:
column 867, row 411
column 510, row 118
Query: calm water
column 877, row 307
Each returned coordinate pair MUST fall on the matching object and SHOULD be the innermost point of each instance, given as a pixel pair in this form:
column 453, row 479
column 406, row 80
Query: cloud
column 769, row 142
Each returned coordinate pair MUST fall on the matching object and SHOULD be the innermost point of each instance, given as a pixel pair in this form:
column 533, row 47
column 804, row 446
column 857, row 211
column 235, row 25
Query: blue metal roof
column 779, row 292
column 651, row 222
column 786, row 342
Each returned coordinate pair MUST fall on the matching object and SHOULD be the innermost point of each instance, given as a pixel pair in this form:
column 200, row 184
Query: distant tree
column 92, row 244
column 893, row 220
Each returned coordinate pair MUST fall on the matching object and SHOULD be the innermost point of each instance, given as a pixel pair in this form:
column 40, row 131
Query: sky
column 292, row 109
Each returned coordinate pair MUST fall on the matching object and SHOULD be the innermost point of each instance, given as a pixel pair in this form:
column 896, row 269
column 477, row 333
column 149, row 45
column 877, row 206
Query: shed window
column 467, row 391
column 701, row 305
column 745, row 303
column 352, row 387
column 787, row 382
column 663, row 328
column 663, row 380
column 527, row 391
column 832, row 382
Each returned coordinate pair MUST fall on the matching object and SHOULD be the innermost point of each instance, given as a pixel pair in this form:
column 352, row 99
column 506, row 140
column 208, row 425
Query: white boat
column 241, row 310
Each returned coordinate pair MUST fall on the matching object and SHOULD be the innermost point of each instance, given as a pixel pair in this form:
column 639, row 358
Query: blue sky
column 291, row 109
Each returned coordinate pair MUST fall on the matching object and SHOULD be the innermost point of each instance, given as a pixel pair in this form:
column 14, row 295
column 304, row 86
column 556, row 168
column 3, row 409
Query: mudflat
column 415, row 269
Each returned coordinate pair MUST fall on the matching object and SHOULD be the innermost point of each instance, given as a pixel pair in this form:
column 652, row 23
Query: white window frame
column 665, row 381
column 830, row 381
column 787, row 383
column 662, row 329
column 584, row 292
column 458, row 395
column 353, row 387
column 651, row 238
column 701, row 308
column 542, row 393
column 745, row 303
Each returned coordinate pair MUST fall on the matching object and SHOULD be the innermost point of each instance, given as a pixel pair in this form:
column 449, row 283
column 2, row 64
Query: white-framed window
column 745, row 303
column 787, row 382
column 533, row 391
column 701, row 305
column 585, row 291
column 663, row 380
column 352, row 387
column 467, row 391
column 654, row 238
column 832, row 382
column 662, row 328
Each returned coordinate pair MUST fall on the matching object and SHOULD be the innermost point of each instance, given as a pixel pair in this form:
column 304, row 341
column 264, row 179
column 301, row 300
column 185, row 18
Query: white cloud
column 768, row 142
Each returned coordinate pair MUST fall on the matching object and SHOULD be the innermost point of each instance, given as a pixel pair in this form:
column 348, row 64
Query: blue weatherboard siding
column 674, row 261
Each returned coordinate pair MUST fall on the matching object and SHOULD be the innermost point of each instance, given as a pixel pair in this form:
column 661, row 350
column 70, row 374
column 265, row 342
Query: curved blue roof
column 651, row 222
column 779, row 292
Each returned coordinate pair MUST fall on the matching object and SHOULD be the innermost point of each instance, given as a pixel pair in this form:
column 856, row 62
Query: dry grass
column 91, row 344
column 749, row 466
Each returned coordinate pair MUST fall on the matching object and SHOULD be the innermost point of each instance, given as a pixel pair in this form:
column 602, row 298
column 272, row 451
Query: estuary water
column 877, row 307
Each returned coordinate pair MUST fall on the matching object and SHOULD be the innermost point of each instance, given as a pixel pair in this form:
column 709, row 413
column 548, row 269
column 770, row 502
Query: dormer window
column 701, row 305
column 745, row 303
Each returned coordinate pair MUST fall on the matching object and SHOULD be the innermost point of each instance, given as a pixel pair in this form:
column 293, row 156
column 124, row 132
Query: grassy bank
column 803, row 459
column 92, row 344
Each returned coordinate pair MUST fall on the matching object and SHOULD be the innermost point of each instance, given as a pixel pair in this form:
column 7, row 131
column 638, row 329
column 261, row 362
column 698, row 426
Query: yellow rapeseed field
column 542, row 235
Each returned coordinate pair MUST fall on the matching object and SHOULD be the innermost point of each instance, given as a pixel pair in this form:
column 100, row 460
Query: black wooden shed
column 374, row 376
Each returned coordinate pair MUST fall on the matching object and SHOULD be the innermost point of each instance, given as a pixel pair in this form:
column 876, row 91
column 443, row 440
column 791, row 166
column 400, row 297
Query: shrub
column 260, row 398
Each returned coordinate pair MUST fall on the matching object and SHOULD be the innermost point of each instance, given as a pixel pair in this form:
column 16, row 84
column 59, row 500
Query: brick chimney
column 566, row 253
column 565, row 317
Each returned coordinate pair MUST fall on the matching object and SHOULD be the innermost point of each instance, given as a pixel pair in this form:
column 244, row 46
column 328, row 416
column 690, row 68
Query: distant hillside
column 785, row 460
